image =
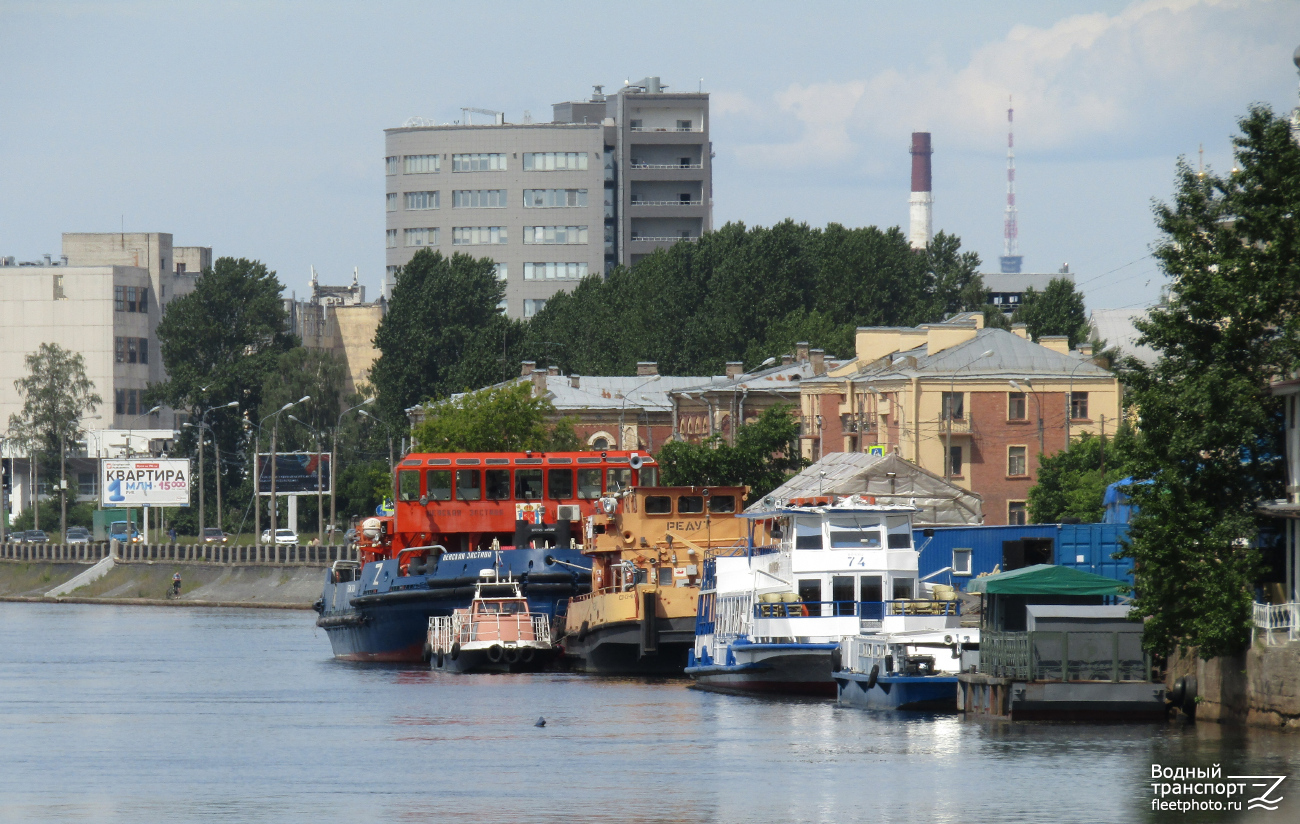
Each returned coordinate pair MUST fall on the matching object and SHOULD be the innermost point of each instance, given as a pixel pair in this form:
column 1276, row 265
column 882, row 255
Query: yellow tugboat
column 647, row 547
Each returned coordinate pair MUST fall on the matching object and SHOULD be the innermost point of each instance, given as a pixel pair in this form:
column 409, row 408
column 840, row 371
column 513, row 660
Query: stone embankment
column 213, row 575
column 1258, row 688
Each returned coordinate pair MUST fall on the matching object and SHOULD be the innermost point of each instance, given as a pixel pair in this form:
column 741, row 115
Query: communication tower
column 1011, row 258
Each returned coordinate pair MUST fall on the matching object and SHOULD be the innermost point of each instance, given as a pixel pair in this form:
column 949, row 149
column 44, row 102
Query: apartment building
column 976, row 406
column 608, row 181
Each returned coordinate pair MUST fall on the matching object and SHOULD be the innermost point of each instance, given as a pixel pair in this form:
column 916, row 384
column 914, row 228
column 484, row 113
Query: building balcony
column 648, row 239
column 667, row 202
column 958, row 426
column 855, row 424
column 664, row 129
column 667, row 165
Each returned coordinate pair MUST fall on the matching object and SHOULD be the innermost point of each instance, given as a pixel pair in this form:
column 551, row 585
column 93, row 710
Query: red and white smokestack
column 922, row 199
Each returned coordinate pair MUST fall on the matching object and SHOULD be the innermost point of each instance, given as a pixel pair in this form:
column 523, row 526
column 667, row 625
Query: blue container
column 1083, row 546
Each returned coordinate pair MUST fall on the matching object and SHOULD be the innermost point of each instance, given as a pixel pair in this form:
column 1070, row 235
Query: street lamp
column 1038, row 405
column 948, row 413
column 334, row 448
column 203, row 478
column 623, row 409
column 320, row 498
column 275, row 431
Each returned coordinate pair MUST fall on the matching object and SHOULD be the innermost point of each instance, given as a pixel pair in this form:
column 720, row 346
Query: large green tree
column 1057, row 310
column 1071, row 484
column 306, row 372
column 765, row 454
column 1211, row 432
column 500, row 419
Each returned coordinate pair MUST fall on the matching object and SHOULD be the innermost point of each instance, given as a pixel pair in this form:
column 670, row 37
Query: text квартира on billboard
column 145, row 482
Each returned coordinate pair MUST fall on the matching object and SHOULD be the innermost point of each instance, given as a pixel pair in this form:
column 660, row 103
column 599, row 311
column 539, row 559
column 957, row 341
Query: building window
column 390, row 165
column 683, row 125
column 478, row 199
column 390, row 202
column 478, row 235
column 1079, row 406
column 131, row 298
column 555, row 235
column 501, row 271
column 119, row 298
column 1017, row 515
column 554, row 198
column 422, row 200
column 533, row 306
column 503, row 305
column 119, row 346
column 58, row 288
column 1015, row 406
column 954, row 460
column 954, row 406
column 555, row 271
column 961, row 561
column 391, row 272
column 128, row 401
column 86, row 484
column 478, row 163
column 1017, row 462
column 420, row 164
column 635, row 125
column 555, row 161
column 421, row 237
column 390, row 239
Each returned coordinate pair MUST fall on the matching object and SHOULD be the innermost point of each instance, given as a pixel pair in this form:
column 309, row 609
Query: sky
column 257, row 128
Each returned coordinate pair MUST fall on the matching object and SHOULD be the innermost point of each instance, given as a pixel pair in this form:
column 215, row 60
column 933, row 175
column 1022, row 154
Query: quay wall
column 1258, row 688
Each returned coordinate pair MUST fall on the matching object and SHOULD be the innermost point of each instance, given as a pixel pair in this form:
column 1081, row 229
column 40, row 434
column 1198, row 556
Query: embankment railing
column 1278, row 623
column 231, row 555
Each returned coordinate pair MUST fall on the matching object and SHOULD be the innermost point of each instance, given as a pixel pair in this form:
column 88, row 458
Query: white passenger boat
column 774, row 613
column 497, row 633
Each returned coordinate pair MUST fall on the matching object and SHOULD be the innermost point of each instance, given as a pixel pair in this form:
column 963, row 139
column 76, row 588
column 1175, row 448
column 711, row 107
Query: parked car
column 117, row 531
column 213, row 535
column 283, row 537
column 77, row 535
column 36, row 536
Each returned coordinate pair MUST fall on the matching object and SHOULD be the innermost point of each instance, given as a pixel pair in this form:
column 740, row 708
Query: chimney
column 786, row 360
column 922, row 199
column 553, row 371
column 818, row 357
column 526, row 368
column 573, row 381
column 647, row 368
column 1020, row 330
column 735, row 369
column 1057, row 343
column 801, row 351
column 1085, row 349
column 539, row 383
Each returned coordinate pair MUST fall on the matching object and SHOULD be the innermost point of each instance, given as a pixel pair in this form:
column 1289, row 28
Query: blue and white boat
column 774, row 613
column 914, row 670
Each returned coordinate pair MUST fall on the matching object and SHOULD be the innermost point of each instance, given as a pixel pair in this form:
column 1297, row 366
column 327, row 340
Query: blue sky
column 257, row 128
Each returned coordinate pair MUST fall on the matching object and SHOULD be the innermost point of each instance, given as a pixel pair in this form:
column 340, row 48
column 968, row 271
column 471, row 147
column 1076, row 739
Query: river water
column 138, row 714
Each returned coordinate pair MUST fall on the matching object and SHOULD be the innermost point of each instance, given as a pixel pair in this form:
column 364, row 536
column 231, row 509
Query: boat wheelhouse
column 773, row 613
column 496, row 633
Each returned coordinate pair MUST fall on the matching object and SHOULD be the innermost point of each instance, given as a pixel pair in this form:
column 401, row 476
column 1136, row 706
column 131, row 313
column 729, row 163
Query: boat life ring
column 526, row 655
column 512, row 655
column 875, row 674
column 455, row 650
column 494, row 653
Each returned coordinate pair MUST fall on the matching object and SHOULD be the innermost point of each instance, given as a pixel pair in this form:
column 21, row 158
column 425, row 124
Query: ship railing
column 1278, row 623
column 865, row 610
column 1065, row 656
column 506, row 628
column 862, row 653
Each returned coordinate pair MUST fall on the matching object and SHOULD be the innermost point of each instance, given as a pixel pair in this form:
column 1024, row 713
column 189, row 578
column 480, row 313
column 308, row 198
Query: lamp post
column 130, row 429
column 952, row 387
column 203, row 478
column 334, row 448
column 275, row 431
column 623, row 408
column 320, row 497
column 1038, row 405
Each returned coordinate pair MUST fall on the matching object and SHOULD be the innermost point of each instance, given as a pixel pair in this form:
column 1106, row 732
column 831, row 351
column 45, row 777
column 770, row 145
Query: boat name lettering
column 486, row 513
column 686, row 526
column 465, row 556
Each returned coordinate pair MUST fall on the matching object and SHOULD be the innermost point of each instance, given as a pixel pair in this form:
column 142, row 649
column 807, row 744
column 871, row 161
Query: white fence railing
column 260, row 554
column 1278, row 623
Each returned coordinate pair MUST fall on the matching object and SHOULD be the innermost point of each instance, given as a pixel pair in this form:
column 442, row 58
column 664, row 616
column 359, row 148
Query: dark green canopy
column 1047, row 579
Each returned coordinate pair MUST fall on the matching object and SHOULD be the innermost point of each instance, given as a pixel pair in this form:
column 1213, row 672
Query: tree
column 301, row 372
column 956, row 285
column 56, row 394
column 1211, row 432
column 1071, row 484
column 504, row 419
column 1057, row 310
column 766, row 453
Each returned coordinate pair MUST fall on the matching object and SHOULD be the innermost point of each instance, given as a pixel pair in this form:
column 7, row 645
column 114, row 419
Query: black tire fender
column 494, row 653
column 583, row 630
column 837, row 660
column 526, row 655
column 455, row 650
column 873, row 676
column 1178, row 693
column 440, row 660
column 427, row 652
column 512, row 655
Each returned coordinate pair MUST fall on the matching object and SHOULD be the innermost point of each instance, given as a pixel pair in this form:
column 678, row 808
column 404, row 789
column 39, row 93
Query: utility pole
column 334, row 448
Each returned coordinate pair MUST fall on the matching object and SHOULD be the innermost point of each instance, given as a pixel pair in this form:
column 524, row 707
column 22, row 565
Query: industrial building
column 608, row 181
column 337, row 319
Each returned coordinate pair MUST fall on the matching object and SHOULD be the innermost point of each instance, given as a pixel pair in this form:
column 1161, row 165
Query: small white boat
column 914, row 670
column 496, row 633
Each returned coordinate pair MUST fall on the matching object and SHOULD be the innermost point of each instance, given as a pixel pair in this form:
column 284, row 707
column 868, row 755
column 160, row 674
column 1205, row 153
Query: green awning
column 1047, row 579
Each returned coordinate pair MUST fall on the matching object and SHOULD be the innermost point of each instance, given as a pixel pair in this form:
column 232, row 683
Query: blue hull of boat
column 924, row 693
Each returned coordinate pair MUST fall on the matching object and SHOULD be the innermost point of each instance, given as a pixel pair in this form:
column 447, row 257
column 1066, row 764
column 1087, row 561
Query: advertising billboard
column 144, row 482
column 295, row 473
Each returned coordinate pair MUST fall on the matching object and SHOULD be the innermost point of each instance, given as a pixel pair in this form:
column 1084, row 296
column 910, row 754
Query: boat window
column 808, row 533
column 616, row 480
column 845, row 537
column 810, row 592
column 468, row 485
column 491, row 461
column 665, row 576
column 467, row 462
column 690, row 504
column 559, row 460
column 900, row 531
column 408, row 485
column 900, row 540
column 528, row 484
column 438, row 482
column 439, row 462
column 498, row 484
column 559, row 484
column 588, row 483
column 722, row 503
column 870, row 589
column 647, row 476
column 511, row 607
column 903, row 589
column 658, row 505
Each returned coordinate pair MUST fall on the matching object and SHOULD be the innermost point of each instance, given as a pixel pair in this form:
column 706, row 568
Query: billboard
column 295, row 473
column 144, row 482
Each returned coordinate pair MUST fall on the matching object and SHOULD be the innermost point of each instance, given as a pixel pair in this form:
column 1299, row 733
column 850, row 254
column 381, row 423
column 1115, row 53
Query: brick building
column 976, row 406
